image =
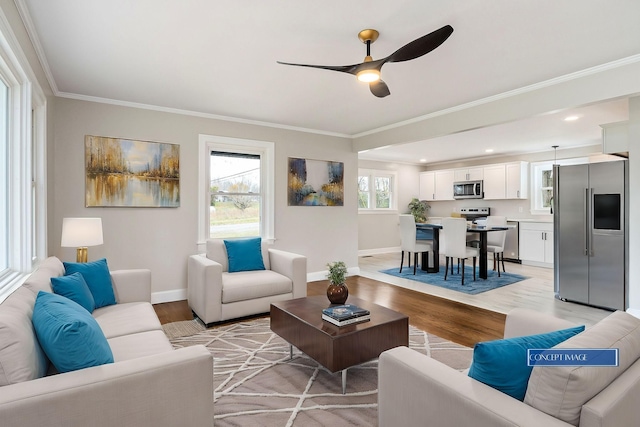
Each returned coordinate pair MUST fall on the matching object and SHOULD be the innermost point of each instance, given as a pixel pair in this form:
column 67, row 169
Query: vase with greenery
column 337, row 291
column 418, row 209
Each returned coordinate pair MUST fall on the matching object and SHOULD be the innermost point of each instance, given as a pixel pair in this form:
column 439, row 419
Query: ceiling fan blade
column 421, row 46
column 379, row 89
column 351, row 69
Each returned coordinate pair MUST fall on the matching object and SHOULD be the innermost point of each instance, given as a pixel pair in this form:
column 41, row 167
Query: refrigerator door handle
column 590, row 227
column 586, row 236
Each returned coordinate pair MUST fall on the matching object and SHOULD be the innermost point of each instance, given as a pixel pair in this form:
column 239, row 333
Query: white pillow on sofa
column 561, row 391
column 21, row 357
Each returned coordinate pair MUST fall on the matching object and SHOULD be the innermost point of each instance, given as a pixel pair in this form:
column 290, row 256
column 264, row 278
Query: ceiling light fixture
column 368, row 76
column 489, row 150
column 423, row 160
column 571, row 118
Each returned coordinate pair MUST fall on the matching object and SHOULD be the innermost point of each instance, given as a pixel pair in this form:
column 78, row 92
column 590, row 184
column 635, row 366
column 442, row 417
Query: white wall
column 162, row 238
column 634, row 205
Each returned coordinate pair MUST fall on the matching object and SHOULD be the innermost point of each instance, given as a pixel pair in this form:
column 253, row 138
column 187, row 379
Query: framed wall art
column 315, row 182
column 128, row 173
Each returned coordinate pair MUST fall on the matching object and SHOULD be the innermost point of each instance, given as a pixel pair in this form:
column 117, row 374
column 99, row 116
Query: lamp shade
column 81, row 232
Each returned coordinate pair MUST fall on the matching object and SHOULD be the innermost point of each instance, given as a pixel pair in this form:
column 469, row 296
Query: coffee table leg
column 344, row 381
column 290, row 352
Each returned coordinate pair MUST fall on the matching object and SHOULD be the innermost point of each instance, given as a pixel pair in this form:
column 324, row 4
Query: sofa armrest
column 204, row 288
column 293, row 266
column 521, row 322
column 414, row 389
column 132, row 285
column 168, row 389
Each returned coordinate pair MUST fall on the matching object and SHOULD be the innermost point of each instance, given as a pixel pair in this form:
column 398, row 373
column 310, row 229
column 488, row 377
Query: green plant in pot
column 337, row 291
column 418, row 209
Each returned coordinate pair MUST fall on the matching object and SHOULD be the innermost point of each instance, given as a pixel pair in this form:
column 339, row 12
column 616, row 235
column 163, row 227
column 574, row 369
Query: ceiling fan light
column 368, row 76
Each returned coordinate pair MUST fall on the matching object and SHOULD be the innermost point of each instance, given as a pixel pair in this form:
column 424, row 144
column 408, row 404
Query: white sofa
column 216, row 295
column 149, row 383
column 414, row 389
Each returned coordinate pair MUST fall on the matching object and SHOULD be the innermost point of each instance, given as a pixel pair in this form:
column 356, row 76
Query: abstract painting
column 128, row 173
column 315, row 182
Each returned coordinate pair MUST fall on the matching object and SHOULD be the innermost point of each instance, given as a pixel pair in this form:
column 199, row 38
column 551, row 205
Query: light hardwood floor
column 535, row 293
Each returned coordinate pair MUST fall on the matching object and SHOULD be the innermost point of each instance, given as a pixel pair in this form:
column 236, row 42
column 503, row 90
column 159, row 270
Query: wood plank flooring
column 465, row 319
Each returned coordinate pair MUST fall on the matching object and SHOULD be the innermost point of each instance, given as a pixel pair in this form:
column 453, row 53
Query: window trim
column 266, row 149
column 26, row 155
column 536, row 179
column 378, row 173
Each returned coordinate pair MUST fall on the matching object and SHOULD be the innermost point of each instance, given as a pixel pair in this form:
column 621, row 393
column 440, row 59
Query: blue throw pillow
column 67, row 333
column 75, row 288
column 502, row 364
column 98, row 278
column 244, row 254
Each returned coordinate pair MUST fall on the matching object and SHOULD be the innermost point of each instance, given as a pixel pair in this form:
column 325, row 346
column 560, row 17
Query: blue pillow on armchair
column 502, row 364
column 244, row 254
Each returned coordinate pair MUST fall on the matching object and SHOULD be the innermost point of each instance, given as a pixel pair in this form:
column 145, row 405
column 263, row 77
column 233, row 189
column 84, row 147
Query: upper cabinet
column 500, row 181
column 615, row 138
column 427, row 186
column 470, row 174
column 494, row 182
column 437, row 185
column 517, row 183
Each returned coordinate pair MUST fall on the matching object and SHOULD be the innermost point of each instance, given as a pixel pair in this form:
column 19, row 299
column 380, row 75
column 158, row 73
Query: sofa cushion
column 502, row 364
column 244, row 254
column 249, row 285
column 69, row 336
column 40, row 279
column 21, row 357
column 133, row 346
column 128, row 318
column 98, row 278
column 75, row 288
column 561, row 391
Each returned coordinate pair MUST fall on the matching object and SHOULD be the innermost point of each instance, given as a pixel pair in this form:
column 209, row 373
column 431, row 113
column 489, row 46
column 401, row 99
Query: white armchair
column 215, row 295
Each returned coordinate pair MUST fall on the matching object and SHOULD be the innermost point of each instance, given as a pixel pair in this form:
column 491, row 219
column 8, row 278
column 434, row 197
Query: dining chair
column 496, row 239
column 455, row 244
column 410, row 244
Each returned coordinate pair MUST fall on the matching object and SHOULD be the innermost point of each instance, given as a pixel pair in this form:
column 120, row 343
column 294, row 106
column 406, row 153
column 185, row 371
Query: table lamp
column 80, row 233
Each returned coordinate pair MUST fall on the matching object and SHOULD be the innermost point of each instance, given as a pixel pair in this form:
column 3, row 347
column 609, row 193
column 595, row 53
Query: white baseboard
column 634, row 312
column 168, row 296
column 322, row 275
column 377, row 251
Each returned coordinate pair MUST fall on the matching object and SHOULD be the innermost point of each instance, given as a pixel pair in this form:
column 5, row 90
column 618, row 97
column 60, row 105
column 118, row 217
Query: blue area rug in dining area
column 453, row 280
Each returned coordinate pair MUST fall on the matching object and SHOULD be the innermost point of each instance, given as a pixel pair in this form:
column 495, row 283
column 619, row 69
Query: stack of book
column 345, row 314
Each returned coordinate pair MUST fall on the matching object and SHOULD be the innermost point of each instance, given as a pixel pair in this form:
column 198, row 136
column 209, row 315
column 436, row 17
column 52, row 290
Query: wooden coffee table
column 299, row 322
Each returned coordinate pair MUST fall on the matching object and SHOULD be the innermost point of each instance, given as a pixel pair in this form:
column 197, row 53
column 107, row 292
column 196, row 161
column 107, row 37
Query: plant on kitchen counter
column 419, row 210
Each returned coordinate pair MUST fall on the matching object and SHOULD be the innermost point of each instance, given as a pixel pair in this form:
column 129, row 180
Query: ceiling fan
column 369, row 70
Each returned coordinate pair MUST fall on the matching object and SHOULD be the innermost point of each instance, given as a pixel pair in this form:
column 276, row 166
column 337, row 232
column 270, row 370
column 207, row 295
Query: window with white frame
column 542, row 184
column 236, row 188
column 22, row 165
column 376, row 190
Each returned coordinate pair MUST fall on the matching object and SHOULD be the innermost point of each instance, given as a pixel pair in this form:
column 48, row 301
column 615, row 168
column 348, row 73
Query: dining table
column 435, row 229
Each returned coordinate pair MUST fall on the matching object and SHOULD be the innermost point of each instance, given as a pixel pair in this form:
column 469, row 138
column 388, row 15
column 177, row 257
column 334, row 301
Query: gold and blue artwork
column 128, row 173
column 315, row 182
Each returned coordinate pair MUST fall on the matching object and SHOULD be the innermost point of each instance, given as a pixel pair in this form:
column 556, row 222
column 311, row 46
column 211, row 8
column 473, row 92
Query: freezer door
column 571, row 233
column 607, row 272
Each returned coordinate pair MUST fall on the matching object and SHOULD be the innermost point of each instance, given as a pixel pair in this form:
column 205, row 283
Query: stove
column 473, row 214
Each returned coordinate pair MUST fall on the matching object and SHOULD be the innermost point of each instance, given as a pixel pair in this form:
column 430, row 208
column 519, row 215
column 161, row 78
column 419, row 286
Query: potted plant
column 337, row 291
column 419, row 210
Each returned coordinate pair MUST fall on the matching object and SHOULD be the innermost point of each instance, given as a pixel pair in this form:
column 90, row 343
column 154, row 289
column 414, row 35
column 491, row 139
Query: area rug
column 256, row 384
column 453, row 281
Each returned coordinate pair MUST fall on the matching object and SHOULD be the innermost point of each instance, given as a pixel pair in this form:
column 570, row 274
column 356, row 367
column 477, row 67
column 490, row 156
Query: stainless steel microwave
column 468, row 190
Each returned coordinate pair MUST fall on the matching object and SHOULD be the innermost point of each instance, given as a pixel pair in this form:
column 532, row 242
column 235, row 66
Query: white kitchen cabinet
column 615, row 137
column 494, row 182
column 444, row 184
column 467, row 174
column 536, row 243
column 517, row 182
column 427, row 186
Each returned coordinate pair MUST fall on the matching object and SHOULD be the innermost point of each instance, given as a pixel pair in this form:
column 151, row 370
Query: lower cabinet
column 536, row 243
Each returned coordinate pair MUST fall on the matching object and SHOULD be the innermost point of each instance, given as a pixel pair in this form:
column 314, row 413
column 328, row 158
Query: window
column 22, row 165
column 236, row 188
column 235, row 194
column 542, row 184
column 376, row 190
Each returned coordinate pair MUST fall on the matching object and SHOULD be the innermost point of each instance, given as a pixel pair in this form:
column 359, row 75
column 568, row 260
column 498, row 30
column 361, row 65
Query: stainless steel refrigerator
column 590, row 214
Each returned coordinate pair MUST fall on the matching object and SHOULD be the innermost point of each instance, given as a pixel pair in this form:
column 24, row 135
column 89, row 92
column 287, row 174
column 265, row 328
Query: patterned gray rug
column 257, row 385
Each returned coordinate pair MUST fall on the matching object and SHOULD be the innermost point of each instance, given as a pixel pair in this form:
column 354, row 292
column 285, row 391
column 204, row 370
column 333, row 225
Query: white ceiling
column 218, row 58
